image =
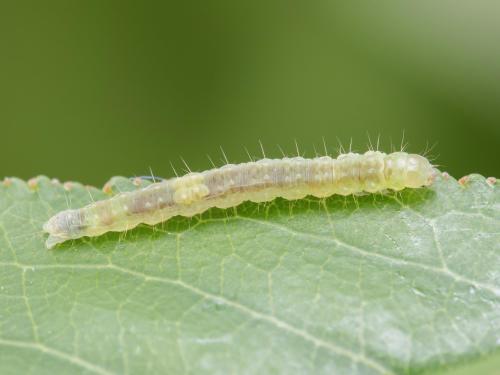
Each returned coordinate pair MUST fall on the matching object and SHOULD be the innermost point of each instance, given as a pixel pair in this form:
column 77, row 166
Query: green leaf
column 397, row 284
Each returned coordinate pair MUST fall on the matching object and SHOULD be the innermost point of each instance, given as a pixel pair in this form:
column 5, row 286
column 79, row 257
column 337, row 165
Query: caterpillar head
column 62, row 227
column 404, row 170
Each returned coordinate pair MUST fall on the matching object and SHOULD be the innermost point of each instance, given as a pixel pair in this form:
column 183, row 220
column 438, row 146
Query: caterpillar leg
column 53, row 240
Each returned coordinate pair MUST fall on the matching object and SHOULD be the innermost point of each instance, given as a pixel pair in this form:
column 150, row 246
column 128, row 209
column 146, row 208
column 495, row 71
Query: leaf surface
column 395, row 284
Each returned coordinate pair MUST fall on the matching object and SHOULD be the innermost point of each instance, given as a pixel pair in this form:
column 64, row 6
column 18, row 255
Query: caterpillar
column 230, row 185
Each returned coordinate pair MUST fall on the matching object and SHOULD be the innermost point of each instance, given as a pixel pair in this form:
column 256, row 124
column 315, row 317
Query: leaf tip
column 446, row 176
column 33, row 183
column 68, row 185
column 464, row 180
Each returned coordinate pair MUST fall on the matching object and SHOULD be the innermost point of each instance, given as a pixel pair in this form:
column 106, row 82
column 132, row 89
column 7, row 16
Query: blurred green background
column 92, row 89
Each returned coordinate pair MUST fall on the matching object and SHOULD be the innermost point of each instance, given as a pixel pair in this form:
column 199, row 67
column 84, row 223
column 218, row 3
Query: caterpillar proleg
column 230, row 185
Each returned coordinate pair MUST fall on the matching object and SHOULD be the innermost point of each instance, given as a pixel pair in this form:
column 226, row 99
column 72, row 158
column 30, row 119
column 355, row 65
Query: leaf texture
column 381, row 284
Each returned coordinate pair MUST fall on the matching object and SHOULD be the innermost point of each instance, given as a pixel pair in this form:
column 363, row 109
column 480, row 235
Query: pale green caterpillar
column 230, row 185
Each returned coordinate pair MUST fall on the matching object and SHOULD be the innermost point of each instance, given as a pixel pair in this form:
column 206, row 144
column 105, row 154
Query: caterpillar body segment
column 232, row 184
